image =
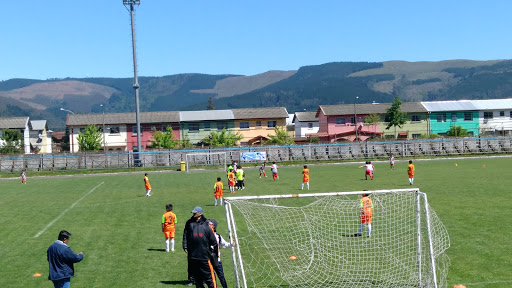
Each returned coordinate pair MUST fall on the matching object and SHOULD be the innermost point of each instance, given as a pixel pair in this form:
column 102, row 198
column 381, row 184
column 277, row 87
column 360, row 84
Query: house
column 17, row 123
column 255, row 124
column 305, row 123
column 477, row 116
column 119, row 130
column 40, row 137
column 196, row 125
column 348, row 122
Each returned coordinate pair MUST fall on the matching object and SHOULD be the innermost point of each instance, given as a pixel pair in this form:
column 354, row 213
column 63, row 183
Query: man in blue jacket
column 61, row 258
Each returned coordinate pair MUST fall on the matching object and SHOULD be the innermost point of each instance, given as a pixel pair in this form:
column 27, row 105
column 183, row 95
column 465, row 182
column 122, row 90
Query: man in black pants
column 198, row 242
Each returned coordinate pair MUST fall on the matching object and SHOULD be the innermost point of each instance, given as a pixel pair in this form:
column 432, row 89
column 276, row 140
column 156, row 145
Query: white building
column 17, row 123
column 305, row 123
column 495, row 116
column 40, row 137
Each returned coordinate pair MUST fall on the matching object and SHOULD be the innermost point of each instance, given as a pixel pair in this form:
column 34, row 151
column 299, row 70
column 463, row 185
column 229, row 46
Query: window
column 193, row 127
column 244, row 125
column 352, row 120
column 441, row 117
column 416, row 136
column 82, row 130
column 487, row 115
column 221, row 125
column 454, row 117
column 206, row 125
column 415, row 118
column 258, row 123
column 1, row 133
column 310, row 125
column 340, row 120
column 114, row 130
column 468, row 116
column 271, row 123
column 502, row 113
column 134, row 130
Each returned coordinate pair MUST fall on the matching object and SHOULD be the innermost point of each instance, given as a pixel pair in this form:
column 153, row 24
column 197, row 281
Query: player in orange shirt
column 305, row 178
column 217, row 188
column 366, row 214
column 168, row 226
column 410, row 171
column 147, row 185
column 231, row 182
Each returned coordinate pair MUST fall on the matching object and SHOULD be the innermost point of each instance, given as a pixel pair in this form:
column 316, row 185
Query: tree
column 210, row 104
column 372, row 119
column 281, row 137
column 13, row 141
column 395, row 116
column 90, row 140
column 457, row 131
column 222, row 138
column 64, row 144
column 164, row 139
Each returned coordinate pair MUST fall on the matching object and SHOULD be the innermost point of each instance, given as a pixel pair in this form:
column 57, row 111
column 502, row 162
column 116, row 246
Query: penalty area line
column 65, row 211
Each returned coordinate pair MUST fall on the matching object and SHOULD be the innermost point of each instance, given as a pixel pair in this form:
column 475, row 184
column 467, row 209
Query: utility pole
column 355, row 117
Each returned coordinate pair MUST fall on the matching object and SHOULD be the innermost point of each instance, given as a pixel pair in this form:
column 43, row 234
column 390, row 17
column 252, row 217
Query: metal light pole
column 103, row 130
column 355, row 117
column 130, row 4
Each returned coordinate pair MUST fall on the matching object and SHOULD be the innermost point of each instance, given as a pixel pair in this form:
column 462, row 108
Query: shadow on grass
column 157, row 250
column 183, row 282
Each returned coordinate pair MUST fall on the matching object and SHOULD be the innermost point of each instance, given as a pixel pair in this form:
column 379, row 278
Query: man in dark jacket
column 198, row 241
column 61, row 258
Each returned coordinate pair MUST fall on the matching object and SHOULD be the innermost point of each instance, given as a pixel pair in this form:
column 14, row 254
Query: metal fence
column 306, row 153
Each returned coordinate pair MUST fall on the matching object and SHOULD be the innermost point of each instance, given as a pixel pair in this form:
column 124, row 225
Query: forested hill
column 306, row 88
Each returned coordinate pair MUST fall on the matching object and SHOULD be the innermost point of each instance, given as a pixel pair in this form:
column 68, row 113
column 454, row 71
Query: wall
column 301, row 128
column 443, row 127
column 499, row 124
column 255, row 131
column 412, row 128
column 197, row 136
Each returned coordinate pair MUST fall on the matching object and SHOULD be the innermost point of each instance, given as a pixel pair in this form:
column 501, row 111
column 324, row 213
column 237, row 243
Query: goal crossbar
column 262, row 246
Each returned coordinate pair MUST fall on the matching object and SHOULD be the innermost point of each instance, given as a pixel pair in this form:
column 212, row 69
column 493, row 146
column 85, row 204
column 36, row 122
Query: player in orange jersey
column 305, row 177
column 366, row 214
column 231, row 181
column 168, row 226
column 147, row 185
column 217, row 190
column 410, row 171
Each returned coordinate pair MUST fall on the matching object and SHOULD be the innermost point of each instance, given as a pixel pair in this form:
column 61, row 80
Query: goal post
column 206, row 159
column 314, row 240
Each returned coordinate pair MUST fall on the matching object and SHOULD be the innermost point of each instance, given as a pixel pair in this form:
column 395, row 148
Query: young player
column 168, row 226
column 392, row 162
column 217, row 264
column 410, row 171
column 147, row 185
column 366, row 214
column 262, row 169
column 305, row 177
column 217, row 189
column 240, row 177
column 231, row 182
column 23, row 177
column 369, row 170
column 274, row 171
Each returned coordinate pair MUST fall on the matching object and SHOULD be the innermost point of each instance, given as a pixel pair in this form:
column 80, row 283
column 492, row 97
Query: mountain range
column 300, row 90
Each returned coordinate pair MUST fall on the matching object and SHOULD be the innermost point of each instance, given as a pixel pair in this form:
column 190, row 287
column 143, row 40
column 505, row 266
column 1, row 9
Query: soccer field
column 119, row 232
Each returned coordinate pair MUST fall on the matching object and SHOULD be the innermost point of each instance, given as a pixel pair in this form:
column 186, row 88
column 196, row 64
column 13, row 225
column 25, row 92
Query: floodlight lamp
column 131, row 2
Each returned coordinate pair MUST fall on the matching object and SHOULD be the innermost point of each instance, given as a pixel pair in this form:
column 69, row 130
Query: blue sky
column 70, row 38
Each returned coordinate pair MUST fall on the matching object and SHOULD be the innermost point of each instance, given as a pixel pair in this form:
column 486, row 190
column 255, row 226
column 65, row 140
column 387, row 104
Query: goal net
column 313, row 240
column 206, row 159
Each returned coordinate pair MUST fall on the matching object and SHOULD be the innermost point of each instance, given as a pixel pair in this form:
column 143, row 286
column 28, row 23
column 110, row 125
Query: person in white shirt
column 369, row 170
column 392, row 161
column 217, row 264
column 274, row 171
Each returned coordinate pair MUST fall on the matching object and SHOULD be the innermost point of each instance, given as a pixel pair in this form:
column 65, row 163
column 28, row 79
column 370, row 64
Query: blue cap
column 197, row 210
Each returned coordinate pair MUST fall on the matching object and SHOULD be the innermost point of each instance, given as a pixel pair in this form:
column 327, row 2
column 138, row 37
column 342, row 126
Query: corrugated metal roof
column 305, row 117
column 204, row 115
column 260, row 113
column 38, row 124
column 122, row 118
column 13, row 122
column 466, row 105
column 370, row 108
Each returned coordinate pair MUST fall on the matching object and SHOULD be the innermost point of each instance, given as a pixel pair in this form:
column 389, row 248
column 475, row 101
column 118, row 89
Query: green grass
column 118, row 229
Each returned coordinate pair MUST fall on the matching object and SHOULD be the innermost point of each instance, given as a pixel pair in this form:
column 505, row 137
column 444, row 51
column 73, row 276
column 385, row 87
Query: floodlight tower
column 129, row 5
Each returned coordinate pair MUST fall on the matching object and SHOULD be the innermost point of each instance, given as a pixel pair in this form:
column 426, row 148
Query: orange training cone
column 484, row 165
column 459, row 286
column 455, row 164
column 37, row 275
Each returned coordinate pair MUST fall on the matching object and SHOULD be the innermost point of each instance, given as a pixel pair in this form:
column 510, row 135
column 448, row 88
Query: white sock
column 172, row 244
column 166, row 244
column 308, row 185
column 369, row 229
column 361, row 229
column 220, row 201
column 215, row 201
column 302, row 187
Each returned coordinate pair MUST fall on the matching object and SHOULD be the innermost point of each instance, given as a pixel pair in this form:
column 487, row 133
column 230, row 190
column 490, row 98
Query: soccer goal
column 206, row 159
column 312, row 240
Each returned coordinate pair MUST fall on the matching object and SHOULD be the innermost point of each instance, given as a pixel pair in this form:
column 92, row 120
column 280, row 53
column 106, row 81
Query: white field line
column 487, row 283
column 65, row 211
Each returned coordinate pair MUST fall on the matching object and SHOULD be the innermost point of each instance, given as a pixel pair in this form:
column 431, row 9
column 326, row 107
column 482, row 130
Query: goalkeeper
column 366, row 214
